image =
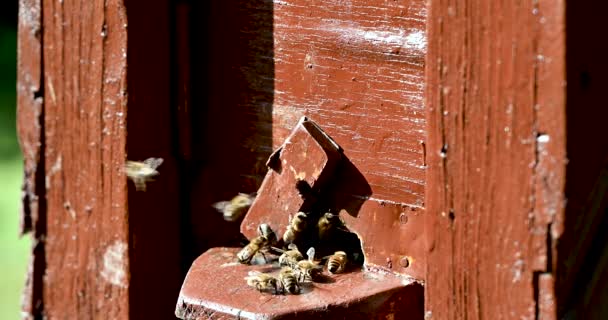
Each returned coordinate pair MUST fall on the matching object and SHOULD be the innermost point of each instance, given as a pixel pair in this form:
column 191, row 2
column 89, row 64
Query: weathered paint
column 496, row 156
column 353, row 295
column 357, row 68
column 85, row 87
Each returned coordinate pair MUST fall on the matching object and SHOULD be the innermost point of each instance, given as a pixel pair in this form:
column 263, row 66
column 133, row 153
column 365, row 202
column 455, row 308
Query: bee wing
column 292, row 246
column 311, row 254
column 221, row 205
column 130, row 168
column 281, row 251
column 254, row 273
column 153, row 162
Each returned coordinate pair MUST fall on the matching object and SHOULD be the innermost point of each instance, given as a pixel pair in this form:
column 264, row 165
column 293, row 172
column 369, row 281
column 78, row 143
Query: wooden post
column 103, row 250
column 496, row 154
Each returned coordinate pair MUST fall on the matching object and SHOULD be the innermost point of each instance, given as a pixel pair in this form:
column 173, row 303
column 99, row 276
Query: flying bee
column 264, row 282
column 308, row 270
column 142, row 172
column 337, row 262
column 291, row 257
column 236, row 207
column 296, row 227
column 289, row 280
column 328, row 224
column 260, row 244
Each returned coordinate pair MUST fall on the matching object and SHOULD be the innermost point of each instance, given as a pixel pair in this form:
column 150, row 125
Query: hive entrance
column 302, row 183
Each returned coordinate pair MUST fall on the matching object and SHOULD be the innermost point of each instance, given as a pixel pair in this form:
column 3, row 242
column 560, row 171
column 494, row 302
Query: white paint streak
column 114, row 264
column 517, row 270
column 412, row 39
column 54, row 169
column 543, row 138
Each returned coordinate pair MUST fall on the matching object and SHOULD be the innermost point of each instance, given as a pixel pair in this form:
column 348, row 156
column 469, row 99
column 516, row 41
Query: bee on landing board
column 264, row 282
column 236, row 207
column 308, row 270
column 291, row 256
column 296, row 227
column 260, row 244
column 142, row 172
column 337, row 262
column 289, row 280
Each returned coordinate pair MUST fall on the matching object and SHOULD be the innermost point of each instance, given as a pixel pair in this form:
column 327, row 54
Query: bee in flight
column 264, row 282
column 236, row 207
column 296, row 227
column 289, row 280
column 337, row 262
column 260, row 244
column 142, row 172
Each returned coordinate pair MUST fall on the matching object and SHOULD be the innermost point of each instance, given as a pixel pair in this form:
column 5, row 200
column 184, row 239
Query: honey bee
column 289, row 280
column 296, row 227
column 328, row 224
column 308, row 270
column 337, row 262
column 236, row 207
column 142, row 172
column 264, row 282
column 260, row 244
column 291, row 257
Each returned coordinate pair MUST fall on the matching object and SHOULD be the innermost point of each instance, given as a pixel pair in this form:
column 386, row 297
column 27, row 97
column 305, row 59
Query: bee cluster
column 319, row 234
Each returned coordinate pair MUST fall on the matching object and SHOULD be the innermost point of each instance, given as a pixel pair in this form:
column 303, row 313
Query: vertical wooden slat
column 87, row 241
column 30, row 128
column 100, row 252
column 496, row 156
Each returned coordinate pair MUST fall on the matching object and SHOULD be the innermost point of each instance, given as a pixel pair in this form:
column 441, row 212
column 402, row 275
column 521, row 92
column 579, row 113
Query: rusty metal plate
column 308, row 154
column 215, row 289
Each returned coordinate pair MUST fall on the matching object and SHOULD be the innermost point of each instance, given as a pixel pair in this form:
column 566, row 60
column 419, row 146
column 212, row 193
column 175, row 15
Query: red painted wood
column 357, row 68
column 215, row 289
column 308, row 154
column 496, row 156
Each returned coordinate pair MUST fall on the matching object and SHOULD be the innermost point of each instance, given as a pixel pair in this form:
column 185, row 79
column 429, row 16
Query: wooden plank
column 496, row 156
column 356, row 68
column 106, row 244
column 31, row 139
column 209, row 294
column 87, row 243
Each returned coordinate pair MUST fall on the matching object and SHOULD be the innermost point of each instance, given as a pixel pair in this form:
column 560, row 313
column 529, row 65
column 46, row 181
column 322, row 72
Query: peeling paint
column 57, row 166
column 114, row 264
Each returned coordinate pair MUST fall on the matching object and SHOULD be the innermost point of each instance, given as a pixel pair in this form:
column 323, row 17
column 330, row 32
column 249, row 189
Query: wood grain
column 356, row 68
column 30, row 129
column 87, row 243
column 496, row 156
column 98, row 251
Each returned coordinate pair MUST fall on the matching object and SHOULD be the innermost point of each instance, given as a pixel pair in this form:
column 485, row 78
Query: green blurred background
column 13, row 250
